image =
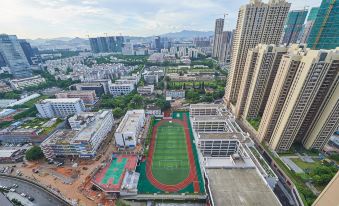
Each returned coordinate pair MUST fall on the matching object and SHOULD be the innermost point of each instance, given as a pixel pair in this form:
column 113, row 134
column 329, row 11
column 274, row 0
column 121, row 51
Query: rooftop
column 221, row 135
column 61, row 100
column 61, row 137
column 209, row 118
column 92, row 127
column 239, row 187
column 7, row 153
column 130, row 121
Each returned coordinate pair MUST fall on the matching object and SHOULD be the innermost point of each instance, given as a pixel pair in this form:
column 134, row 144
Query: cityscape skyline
column 80, row 18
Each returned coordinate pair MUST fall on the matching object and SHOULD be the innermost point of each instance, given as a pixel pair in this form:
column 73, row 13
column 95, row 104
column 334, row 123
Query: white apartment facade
column 120, row 89
column 50, row 108
column 149, row 89
column 128, row 131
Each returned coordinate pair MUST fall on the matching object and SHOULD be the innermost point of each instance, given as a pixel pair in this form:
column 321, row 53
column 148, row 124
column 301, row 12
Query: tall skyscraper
column 14, row 56
column 219, row 27
column 226, row 47
column 107, row 44
column 329, row 196
column 308, row 25
column 264, row 72
column 157, row 43
column 280, row 88
column 257, row 22
column 28, row 50
column 293, row 27
column 94, row 45
column 325, row 31
column 311, row 91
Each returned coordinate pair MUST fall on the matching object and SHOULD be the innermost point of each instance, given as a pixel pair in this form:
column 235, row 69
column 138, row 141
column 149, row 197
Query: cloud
column 54, row 18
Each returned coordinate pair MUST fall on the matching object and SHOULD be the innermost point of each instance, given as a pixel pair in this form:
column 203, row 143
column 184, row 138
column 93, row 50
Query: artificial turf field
column 170, row 158
column 171, row 164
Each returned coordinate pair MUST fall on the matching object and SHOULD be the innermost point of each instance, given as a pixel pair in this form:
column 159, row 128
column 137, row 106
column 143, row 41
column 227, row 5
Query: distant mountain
column 188, row 34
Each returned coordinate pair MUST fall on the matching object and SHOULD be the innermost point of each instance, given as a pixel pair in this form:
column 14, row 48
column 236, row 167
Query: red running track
column 192, row 177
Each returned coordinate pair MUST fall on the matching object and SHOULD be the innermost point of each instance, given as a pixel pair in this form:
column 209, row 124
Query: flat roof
column 221, row 135
column 91, row 128
column 7, row 153
column 130, row 121
column 63, row 136
column 209, row 118
column 61, row 100
column 240, row 187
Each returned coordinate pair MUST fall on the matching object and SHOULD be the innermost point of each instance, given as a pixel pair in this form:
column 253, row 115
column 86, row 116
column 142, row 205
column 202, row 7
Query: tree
column 118, row 112
column 34, row 153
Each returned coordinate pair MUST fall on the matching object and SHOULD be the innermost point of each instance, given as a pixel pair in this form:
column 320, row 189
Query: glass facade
column 325, row 31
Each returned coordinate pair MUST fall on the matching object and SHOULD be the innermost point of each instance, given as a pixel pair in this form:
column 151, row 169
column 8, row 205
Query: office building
column 120, row 89
column 175, row 94
column 19, row 84
column 107, row 44
column 257, row 22
column 218, row 34
column 88, row 97
column 31, row 55
column 282, row 83
column 149, row 89
column 129, row 129
column 258, row 79
column 157, row 43
column 306, row 102
column 49, row 108
column 14, row 56
column 324, row 33
column 293, row 27
column 97, row 87
column 89, row 130
column 308, row 25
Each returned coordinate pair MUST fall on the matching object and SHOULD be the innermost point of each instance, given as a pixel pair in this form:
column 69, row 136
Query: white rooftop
column 61, row 100
column 7, row 153
column 130, row 120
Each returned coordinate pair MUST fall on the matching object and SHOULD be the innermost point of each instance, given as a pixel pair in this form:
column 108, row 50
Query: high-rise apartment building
column 326, row 122
column 293, row 26
column 308, row 25
column 219, row 27
column 264, row 72
column 325, row 30
column 329, row 196
column 14, row 56
column 306, row 102
column 257, row 22
column 226, row 47
column 279, row 91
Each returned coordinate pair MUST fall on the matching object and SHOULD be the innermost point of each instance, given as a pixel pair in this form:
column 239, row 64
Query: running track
column 192, row 177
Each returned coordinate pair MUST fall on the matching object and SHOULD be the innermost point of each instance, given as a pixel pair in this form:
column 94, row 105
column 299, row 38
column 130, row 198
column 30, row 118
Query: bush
column 34, row 153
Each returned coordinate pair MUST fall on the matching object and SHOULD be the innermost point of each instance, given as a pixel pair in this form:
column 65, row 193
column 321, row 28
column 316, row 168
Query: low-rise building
column 120, row 89
column 129, row 128
column 50, row 108
column 19, row 84
column 4, row 87
column 88, row 97
column 149, row 89
column 97, row 87
column 89, row 130
column 175, row 94
column 152, row 109
column 11, row 155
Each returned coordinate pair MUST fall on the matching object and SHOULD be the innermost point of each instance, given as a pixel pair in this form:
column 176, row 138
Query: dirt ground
column 69, row 191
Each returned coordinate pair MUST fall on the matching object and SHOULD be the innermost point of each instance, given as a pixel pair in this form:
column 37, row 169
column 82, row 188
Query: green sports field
column 114, row 171
column 170, row 160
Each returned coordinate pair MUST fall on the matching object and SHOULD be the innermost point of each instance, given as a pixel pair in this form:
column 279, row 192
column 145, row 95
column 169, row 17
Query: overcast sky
column 70, row 18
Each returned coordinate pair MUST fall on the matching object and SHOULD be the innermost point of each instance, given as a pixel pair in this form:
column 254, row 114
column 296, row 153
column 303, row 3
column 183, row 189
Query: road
column 42, row 198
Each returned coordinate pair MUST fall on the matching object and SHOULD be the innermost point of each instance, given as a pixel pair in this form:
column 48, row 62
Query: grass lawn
column 170, row 159
column 305, row 165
